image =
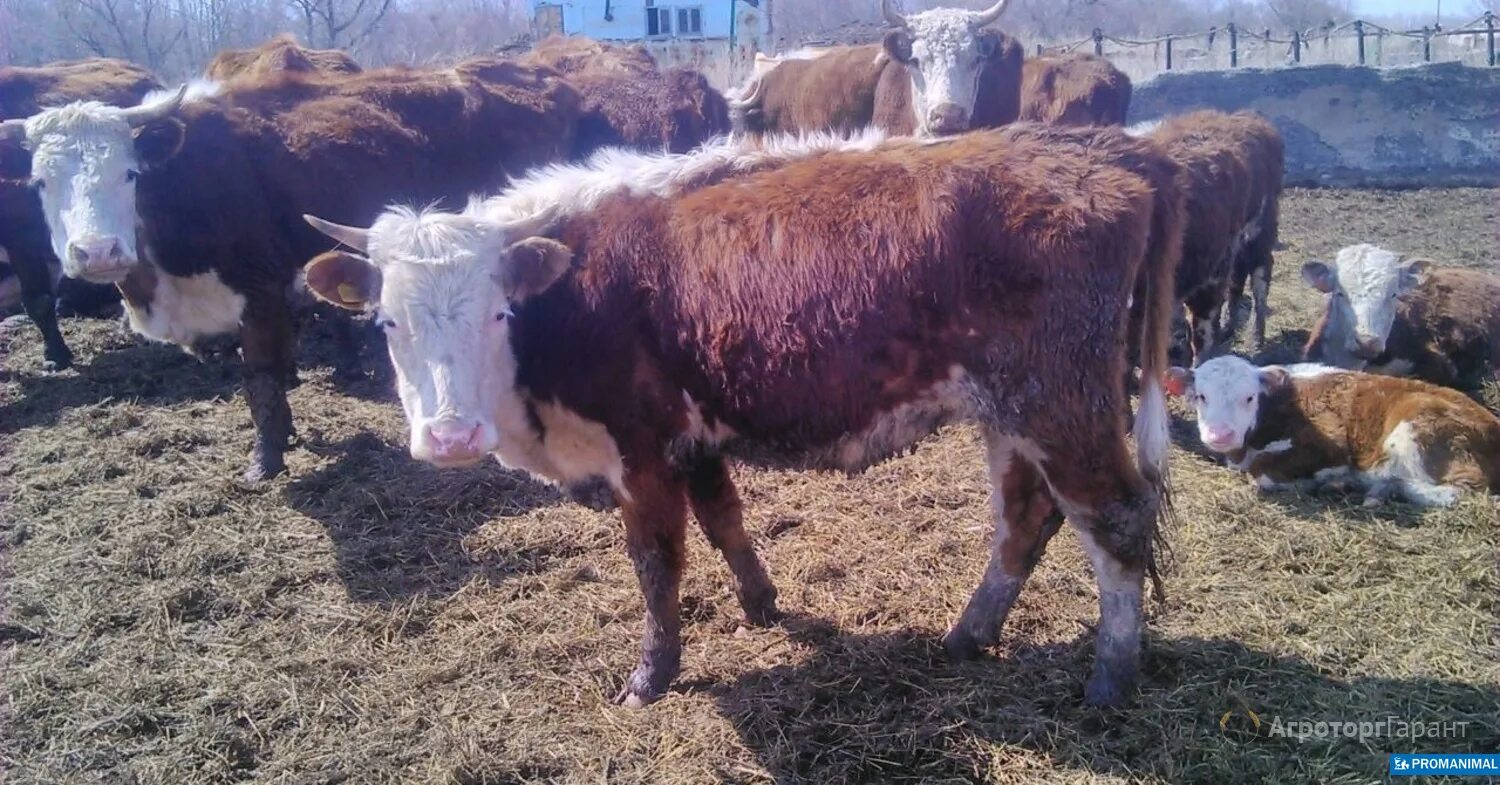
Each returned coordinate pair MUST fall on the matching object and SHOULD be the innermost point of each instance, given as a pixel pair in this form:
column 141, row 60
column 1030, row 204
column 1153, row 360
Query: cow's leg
column 1025, row 518
column 266, row 345
column 1203, row 309
column 1260, row 287
column 346, row 337
column 655, row 522
column 40, row 303
column 716, row 505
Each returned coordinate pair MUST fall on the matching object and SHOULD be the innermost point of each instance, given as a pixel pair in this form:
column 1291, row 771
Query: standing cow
column 1074, row 89
column 1389, row 314
column 633, row 318
column 23, row 229
column 193, row 207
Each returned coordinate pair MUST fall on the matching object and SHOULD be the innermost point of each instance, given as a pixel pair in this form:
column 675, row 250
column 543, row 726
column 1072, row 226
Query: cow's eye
column 1250, row 400
column 501, row 316
column 37, row 183
column 389, row 324
column 130, row 175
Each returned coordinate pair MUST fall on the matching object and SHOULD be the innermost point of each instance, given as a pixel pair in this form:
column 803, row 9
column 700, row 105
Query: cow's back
column 279, row 55
column 1453, row 312
column 26, row 91
column 833, row 92
column 1074, row 90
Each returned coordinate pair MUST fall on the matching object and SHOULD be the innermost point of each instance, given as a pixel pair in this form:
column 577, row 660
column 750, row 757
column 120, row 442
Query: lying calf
column 1304, row 426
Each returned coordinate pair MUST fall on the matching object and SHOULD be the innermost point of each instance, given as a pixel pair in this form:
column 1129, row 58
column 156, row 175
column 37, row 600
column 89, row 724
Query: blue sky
column 1412, row 7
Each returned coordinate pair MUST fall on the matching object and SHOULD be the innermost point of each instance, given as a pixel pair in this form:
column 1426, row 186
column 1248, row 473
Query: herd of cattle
column 819, row 270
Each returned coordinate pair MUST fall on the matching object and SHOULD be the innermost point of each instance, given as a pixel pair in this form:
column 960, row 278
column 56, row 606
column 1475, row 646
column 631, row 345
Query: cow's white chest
column 570, row 449
column 184, row 309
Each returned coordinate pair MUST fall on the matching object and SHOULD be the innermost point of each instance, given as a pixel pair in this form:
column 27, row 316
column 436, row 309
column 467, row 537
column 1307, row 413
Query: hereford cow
column 1308, row 426
column 23, row 230
column 1073, row 89
column 193, row 207
column 1232, row 170
column 279, row 55
column 632, row 318
column 1388, row 314
column 938, row 72
column 628, row 100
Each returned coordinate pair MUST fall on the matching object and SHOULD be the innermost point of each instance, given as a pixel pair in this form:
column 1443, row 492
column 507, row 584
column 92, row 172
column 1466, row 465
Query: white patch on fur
column 184, row 309
column 1310, row 370
column 946, row 62
column 1404, row 471
column 572, row 449
column 899, row 429
column 698, row 429
column 1370, row 281
column 1142, row 129
column 1225, row 392
column 1248, row 458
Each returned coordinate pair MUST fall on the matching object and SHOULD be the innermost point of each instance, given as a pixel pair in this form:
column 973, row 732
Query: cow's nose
column 947, row 119
column 453, row 440
column 1368, row 347
column 1218, row 438
column 97, row 257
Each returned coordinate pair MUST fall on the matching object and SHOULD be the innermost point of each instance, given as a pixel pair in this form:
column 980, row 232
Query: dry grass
column 371, row 620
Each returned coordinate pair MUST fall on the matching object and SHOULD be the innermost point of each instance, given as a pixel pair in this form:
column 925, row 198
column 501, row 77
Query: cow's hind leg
column 266, row 345
column 40, row 304
column 1260, row 287
column 655, row 514
column 1204, row 308
column 716, row 505
column 1025, row 518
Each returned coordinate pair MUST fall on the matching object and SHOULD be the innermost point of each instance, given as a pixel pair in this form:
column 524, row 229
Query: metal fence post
column 1038, row 50
column 1489, row 25
column 1099, row 42
column 1169, row 53
column 1297, row 46
column 1359, row 35
column 1234, row 45
column 1426, row 43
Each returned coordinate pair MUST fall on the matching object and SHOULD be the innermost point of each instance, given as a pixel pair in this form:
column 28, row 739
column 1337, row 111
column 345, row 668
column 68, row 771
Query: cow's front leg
column 266, row 346
column 655, row 520
column 40, row 304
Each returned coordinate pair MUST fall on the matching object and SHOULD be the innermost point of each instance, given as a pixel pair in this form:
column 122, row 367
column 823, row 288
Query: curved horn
column 354, row 237
column 13, row 129
column 990, row 14
column 894, row 19
column 138, row 116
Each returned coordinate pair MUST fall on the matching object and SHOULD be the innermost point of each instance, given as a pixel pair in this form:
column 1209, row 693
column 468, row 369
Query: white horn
column 894, row 19
column 354, row 237
column 989, row 14
column 13, row 129
column 140, row 115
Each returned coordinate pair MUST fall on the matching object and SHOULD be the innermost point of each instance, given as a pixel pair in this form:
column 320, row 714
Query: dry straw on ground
column 367, row 619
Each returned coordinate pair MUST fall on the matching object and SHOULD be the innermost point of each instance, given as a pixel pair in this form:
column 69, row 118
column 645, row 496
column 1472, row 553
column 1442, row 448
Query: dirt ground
column 369, row 619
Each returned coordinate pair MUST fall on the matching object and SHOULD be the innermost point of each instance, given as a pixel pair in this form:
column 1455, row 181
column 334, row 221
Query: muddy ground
column 368, row 619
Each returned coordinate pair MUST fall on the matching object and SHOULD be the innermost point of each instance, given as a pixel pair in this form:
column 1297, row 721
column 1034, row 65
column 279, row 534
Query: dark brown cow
column 1232, row 168
column 23, row 230
column 281, row 54
column 633, row 320
column 195, row 209
column 629, row 101
column 969, row 77
column 1074, row 90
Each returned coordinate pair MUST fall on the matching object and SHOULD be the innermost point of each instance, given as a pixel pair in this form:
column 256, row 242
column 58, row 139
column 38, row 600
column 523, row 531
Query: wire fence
column 1357, row 42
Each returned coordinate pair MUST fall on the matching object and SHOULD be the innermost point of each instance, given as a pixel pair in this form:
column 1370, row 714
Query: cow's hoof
column 645, row 686
column 1106, row 691
column 262, row 469
column 961, row 645
column 60, row 360
column 763, row 612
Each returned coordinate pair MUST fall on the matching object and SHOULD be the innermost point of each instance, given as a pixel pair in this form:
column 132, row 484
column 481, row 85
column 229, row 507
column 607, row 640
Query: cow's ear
column 898, row 45
column 1319, row 276
column 1413, row 273
column 343, row 279
column 1178, row 381
column 989, row 43
column 532, row 265
column 1274, row 379
column 15, row 159
column 157, row 141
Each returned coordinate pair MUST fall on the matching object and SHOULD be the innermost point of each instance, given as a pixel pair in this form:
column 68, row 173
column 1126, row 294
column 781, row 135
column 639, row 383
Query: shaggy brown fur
column 1232, row 170
column 279, row 55
column 23, row 228
column 629, row 101
column 1074, row 90
column 1447, row 331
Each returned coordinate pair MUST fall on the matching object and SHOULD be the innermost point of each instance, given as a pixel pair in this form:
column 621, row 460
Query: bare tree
column 340, row 24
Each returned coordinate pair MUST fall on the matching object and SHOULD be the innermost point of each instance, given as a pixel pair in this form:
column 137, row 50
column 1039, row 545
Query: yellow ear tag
column 349, row 294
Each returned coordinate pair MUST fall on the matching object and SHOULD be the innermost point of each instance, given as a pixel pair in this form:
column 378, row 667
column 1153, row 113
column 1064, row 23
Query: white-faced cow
column 193, row 207
column 1309, row 426
column 1390, row 314
column 632, row 318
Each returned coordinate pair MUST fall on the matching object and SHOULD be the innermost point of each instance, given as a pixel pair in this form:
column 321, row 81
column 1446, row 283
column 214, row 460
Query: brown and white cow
column 628, row 100
column 1232, row 168
column 281, row 54
column 23, row 229
column 1390, row 314
column 1073, row 89
column 193, row 207
column 636, row 317
column 1309, row 426
column 937, row 72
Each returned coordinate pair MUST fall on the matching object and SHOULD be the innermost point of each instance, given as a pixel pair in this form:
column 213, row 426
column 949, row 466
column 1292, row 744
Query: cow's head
column 945, row 51
column 443, row 286
column 1226, row 392
column 1361, row 291
column 83, row 160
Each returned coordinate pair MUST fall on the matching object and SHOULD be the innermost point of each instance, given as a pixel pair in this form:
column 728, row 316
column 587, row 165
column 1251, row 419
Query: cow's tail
column 1157, row 285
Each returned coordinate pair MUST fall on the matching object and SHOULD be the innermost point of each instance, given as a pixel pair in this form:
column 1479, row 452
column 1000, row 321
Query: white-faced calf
column 1389, row 314
column 1307, row 426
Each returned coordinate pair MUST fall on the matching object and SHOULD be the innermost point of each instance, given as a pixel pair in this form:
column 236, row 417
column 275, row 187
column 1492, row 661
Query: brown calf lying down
column 1232, row 168
column 1385, row 313
column 1074, row 90
column 638, row 318
column 281, row 54
column 1306, row 426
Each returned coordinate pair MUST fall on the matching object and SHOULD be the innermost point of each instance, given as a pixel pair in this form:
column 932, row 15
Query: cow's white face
column 945, row 51
column 443, row 288
column 1362, row 291
column 1225, row 392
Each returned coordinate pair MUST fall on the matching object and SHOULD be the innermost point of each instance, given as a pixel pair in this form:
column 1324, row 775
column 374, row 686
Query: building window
column 658, row 20
column 690, row 21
